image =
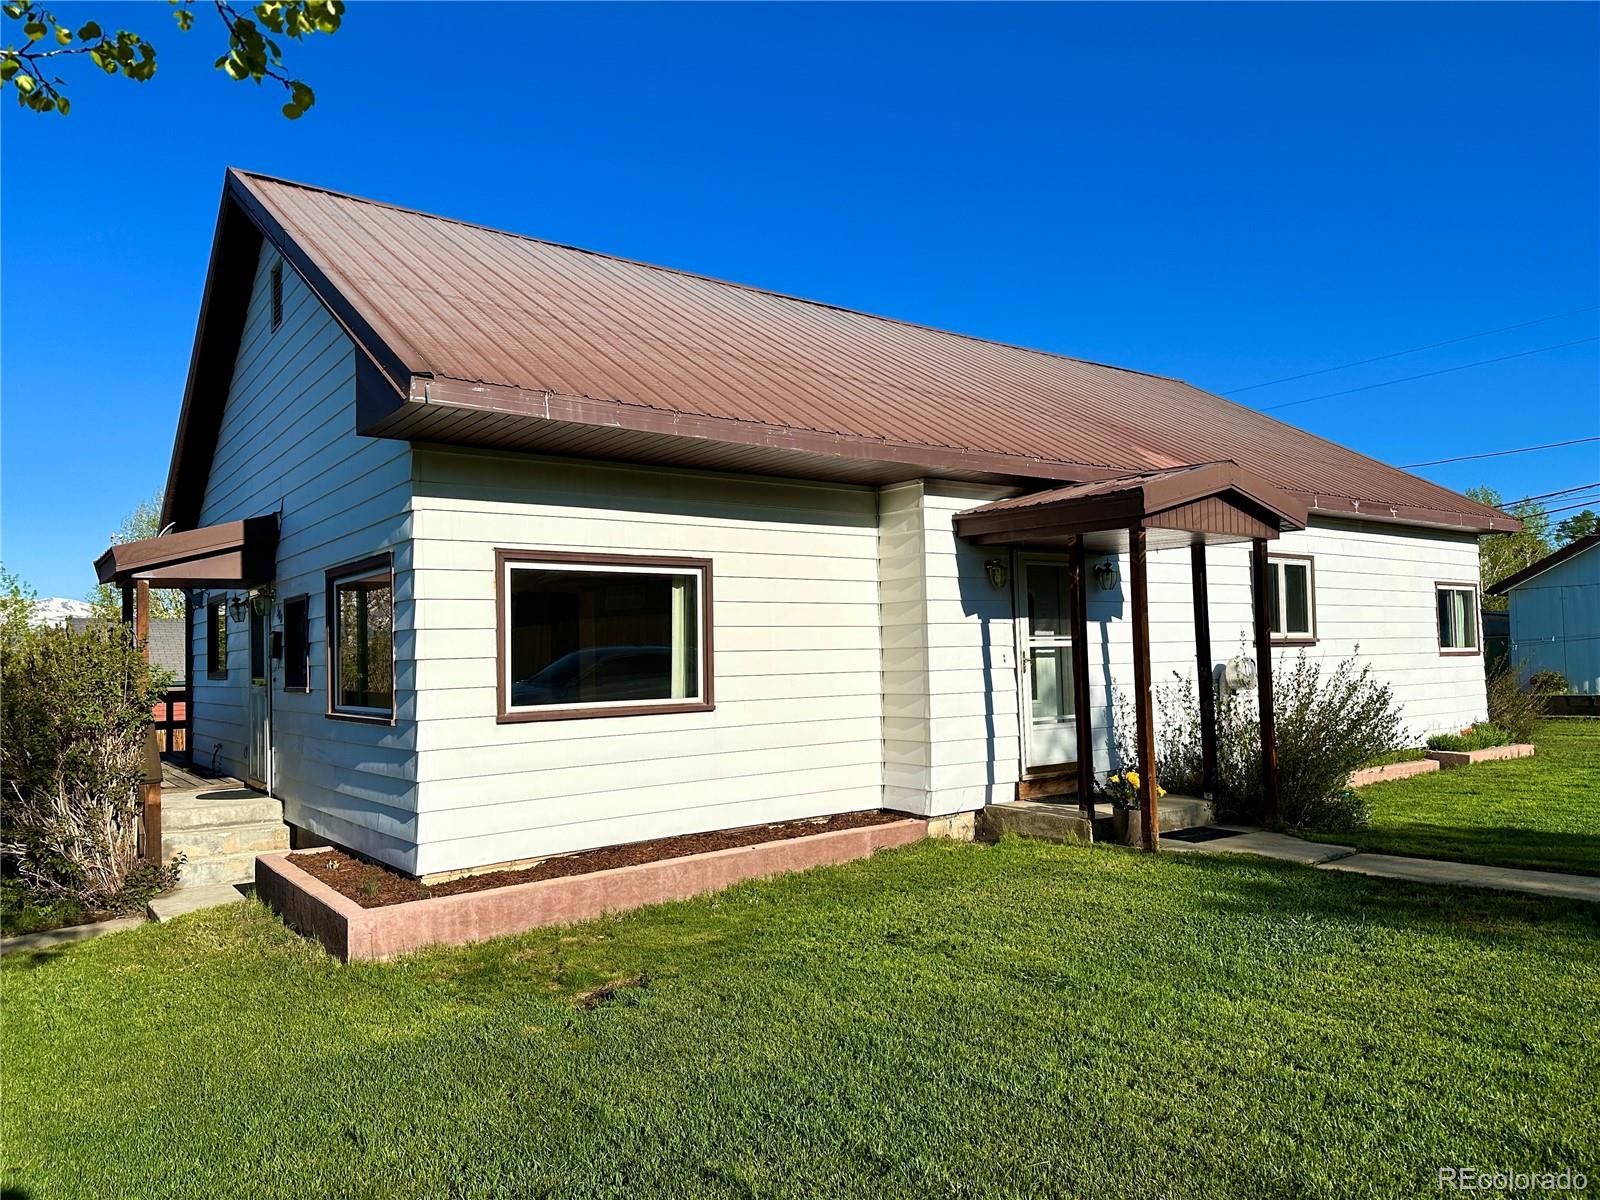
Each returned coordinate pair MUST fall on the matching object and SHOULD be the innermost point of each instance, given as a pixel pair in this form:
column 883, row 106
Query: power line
column 1361, row 362
column 1439, row 462
column 1581, row 487
column 1482, row 362
column 1553, row 512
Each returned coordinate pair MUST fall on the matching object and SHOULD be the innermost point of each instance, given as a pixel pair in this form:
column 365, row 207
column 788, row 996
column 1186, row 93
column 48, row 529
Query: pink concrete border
column 1399, row 770
column 1464, row 758
column 351, row 932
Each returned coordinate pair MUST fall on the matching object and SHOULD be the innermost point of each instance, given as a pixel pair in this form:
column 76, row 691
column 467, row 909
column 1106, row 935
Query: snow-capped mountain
column 56, row 610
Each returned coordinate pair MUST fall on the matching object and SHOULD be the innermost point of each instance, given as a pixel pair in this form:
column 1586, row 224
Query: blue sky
column 1226, row 194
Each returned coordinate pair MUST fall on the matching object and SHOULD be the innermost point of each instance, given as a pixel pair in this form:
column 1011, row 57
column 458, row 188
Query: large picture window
column 361, row 640
column 1458, row 618
column 1291, row 599
column 602, row 635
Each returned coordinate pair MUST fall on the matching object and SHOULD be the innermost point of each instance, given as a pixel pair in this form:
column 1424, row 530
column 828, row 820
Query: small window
column 277, row 294
column 217, row 638
column 1291, row 599
column 1458, row 618
column 610, row 635
column 297, row 644
column 361, row 640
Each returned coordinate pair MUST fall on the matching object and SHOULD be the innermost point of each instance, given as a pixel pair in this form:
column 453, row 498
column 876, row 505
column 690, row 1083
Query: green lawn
column 1541, row 812
column 947, row 1019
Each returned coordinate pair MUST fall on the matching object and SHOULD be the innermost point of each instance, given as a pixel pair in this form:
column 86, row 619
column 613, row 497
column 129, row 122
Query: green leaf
column 35, row 30
column 89, row 32
column 63, row 106
column 8, row 68
column 63, row 35
column 24, row 83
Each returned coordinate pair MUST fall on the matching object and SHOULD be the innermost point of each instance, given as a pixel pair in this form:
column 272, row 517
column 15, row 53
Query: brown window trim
column 361, row 566
column 1299, row 639
column 213, row 671
column 503, row 557
column 302, row 598
column 1451, row 585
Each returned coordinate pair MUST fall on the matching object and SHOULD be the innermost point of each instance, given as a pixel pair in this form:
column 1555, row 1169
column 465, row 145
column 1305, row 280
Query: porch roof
column 1200, row 503
column 233, row 554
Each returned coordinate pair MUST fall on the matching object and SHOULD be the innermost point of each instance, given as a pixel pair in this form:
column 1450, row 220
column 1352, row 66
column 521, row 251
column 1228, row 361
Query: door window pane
column 1052, row 684
column 363, row 641
column 580, row 637
column 296, row 645
column 1274, row 597
column 1047, row 600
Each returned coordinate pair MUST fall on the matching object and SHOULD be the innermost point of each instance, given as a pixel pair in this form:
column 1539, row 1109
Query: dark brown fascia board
column 608, row 414
column 252, row 536
column 1571, row 550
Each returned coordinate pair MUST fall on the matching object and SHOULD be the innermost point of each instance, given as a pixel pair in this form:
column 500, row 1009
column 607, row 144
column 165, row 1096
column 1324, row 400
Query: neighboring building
column 166, row 644
column 492, row 495
column 1555, row 615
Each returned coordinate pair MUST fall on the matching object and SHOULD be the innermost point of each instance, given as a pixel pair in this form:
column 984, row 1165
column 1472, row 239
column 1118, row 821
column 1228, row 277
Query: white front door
column 1044, row 608
column 258, row 766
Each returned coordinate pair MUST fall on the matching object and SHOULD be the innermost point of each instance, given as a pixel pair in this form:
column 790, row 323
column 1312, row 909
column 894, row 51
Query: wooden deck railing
column 170, row 716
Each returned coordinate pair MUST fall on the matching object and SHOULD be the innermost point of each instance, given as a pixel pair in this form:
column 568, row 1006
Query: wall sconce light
column 998, row 571
column 261, row 602
column 238, row 608
column 1105, row 575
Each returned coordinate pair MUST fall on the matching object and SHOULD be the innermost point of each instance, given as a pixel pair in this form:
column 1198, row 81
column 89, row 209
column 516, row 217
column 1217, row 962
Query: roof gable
column 483, row 337
column 1532, row 571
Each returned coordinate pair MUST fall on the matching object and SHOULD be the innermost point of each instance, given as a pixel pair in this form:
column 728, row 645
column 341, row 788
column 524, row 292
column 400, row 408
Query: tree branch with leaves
column 49, row 44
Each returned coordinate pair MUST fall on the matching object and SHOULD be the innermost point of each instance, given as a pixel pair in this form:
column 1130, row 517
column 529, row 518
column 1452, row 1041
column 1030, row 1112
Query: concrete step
column 235, row 807
column 1042, row 819
column 1174, row 812
column 192, row 899
column 211, row 841
column 225, row 868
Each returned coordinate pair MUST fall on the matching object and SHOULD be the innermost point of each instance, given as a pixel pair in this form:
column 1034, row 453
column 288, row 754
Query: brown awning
column 1206, row 502
column 234, row 554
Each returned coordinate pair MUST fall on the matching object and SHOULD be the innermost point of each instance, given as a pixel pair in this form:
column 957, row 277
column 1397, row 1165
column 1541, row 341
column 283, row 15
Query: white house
column 504, row 549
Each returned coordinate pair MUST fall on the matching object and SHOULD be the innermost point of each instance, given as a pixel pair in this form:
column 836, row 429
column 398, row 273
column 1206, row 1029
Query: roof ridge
column 734, row 283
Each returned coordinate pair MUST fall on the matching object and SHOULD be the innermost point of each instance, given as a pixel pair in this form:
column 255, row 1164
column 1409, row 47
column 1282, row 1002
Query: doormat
column 1206, row 833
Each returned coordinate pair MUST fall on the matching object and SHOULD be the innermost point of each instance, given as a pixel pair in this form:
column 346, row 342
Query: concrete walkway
column 1328, row 857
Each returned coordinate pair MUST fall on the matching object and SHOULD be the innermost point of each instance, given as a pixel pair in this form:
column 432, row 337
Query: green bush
column 1408, row 754
column 1549, row 683
column 1329, row 723
column 1482, row 736
column 72, row 754
column 1516, row 711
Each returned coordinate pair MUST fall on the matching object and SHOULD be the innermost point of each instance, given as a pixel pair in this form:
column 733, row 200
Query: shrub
column 1549, row 683
column 1408, row 754
column 72, row 746
column 1516, row 711
column 1329, row 723
column 1481, row 736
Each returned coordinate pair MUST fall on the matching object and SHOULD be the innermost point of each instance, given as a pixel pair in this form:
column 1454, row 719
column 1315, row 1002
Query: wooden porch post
column 1080, row 679
column 1144, row 713
column 188, row 676
column 150, row 810
column 1204, row 670
column 1269, row 732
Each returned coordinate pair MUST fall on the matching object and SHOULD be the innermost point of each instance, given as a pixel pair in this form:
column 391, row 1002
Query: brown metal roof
column 496, row 338
column 1209, row 502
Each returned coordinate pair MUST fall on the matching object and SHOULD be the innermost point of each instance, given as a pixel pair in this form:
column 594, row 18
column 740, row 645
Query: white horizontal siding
column 288, row 444
column 797, row 726
column 1374, row 596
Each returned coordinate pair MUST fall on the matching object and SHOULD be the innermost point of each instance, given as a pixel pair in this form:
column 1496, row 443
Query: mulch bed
column 373, row 886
